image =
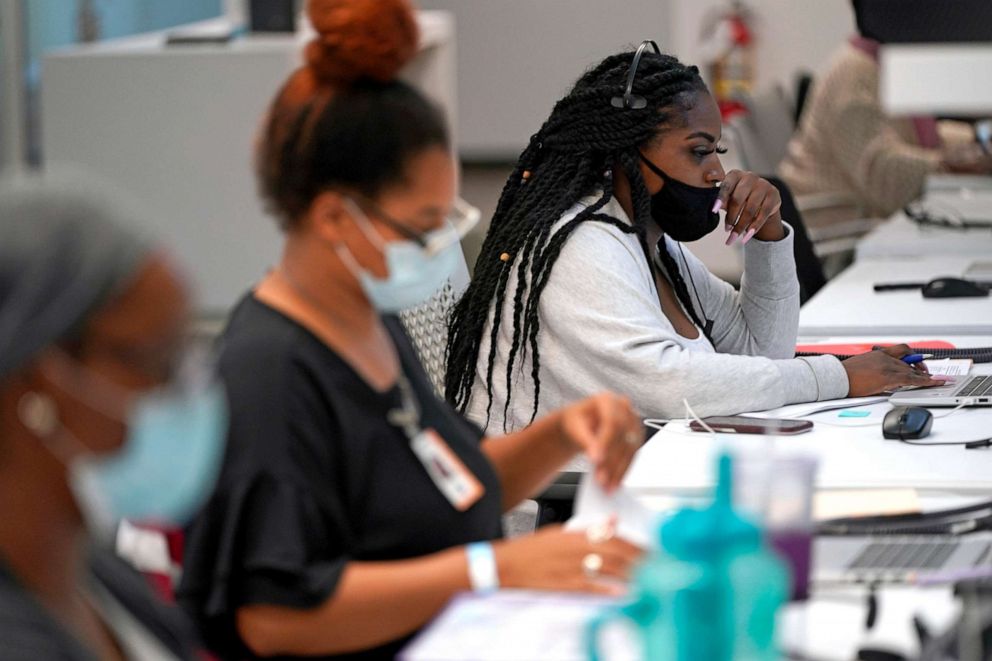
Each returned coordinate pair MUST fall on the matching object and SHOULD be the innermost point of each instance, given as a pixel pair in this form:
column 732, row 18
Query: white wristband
column 482, row 573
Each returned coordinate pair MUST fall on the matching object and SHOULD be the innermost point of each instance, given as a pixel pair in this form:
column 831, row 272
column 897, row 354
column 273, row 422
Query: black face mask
column 683, row 212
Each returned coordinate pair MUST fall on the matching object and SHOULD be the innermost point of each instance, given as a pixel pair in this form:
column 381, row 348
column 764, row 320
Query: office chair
column 804, row 85
column 829, row 227
column 763, row 133
column 557, row 502
column 427, row 325
column 751, row 153
column 809, row 269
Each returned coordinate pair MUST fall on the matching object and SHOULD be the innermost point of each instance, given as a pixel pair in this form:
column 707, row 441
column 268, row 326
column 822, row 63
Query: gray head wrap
column 65, row 250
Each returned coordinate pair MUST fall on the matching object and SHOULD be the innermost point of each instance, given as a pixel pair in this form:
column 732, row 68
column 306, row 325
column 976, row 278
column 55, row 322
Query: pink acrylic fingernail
column 717, row 205
column 749, row 235
column 731, row 238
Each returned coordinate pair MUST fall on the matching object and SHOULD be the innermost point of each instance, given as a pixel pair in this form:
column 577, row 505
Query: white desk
column 522, row 625
column 847, row 305
column 677, row 462
column 901, row 237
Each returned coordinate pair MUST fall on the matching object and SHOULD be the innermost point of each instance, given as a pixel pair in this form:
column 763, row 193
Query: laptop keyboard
column 976, row 387
column 904, row 555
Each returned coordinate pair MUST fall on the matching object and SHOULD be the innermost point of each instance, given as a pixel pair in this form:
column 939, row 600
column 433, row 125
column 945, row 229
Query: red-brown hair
column 343, row 118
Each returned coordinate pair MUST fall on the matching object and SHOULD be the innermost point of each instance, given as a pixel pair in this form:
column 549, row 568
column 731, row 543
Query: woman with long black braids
column 583, row 283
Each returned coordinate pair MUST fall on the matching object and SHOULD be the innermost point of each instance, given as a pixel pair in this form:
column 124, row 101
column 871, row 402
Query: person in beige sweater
column 847, row 145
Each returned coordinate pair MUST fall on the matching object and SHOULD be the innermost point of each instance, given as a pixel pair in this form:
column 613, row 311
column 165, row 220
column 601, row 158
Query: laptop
column 974, row 390
column 898, row 559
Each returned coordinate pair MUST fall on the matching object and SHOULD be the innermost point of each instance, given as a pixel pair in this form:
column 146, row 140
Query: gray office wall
column 517, row 57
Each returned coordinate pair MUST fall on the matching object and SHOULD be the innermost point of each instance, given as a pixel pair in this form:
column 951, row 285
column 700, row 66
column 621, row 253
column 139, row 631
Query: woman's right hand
column 553, row 559
column 882, row 371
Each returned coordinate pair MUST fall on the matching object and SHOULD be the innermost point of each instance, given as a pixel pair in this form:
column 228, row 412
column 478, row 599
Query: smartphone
column 742, row 424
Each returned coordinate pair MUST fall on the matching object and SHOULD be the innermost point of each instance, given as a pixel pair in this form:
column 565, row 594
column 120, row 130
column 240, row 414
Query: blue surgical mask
column 414, row 274
column 168, row 464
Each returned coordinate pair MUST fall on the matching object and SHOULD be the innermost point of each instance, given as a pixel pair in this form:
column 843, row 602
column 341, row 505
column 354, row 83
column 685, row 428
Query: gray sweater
column 602, row 328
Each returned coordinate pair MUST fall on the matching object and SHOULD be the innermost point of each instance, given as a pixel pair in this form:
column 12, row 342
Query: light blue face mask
column 167, row 466
column 414, row 274
column 169, row 461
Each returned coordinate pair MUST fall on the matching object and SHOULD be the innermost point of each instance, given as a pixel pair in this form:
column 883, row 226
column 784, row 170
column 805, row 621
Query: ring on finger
column 592, row 564
column 600, row 533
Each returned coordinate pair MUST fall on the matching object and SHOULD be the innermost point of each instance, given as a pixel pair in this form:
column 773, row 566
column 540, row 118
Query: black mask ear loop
column 629, row 99
column 707, row 322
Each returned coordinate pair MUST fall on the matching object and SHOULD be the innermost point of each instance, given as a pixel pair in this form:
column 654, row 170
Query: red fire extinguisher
column 731, row 65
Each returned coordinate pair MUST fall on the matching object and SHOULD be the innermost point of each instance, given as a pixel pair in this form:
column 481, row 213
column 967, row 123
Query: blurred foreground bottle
column 711, row 593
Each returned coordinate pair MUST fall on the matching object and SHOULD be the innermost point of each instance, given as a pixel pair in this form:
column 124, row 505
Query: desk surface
column 847, row 305
column 953, row 197
column 901, row 237
column 851, row 454
column 522, row 625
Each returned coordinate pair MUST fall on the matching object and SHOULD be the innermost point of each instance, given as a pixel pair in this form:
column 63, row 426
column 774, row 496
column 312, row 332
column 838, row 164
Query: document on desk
column 512, row 625
column 949, row 366
column 864, row 502
column 634, row 521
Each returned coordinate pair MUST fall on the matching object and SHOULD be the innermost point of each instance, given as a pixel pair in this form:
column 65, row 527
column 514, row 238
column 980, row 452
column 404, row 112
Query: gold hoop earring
column 38, row 413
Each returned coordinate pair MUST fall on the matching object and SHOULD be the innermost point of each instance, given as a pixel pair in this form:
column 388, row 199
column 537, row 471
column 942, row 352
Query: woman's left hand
column 752, row 206
column 606, row 428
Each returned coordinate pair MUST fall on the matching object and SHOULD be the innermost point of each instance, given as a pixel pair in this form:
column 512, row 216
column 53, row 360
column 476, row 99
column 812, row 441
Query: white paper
column 949, row 366
column 517, row 625
column 634, row 522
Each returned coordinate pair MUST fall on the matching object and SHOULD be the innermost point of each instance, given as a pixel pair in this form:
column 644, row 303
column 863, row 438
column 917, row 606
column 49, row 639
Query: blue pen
column 914, row 358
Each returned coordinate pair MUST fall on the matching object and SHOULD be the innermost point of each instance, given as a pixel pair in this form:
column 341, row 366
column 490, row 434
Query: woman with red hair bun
column 353, row 502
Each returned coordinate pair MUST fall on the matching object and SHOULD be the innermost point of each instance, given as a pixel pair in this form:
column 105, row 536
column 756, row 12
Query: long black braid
column 572, row 155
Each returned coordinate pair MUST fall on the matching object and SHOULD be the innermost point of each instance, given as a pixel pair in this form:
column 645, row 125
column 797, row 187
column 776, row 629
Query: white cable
column 657, row 424
column 691, row 415
column 851, row 425
column 872, row 423
column 971, row 401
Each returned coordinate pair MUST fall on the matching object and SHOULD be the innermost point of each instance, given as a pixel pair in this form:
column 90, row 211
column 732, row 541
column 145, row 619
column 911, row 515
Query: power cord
column 947, row 217
column 968, row 445
column 873, row 423
column 657, row 424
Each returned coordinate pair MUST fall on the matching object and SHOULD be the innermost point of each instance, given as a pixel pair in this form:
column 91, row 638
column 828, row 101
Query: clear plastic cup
column 777, row 490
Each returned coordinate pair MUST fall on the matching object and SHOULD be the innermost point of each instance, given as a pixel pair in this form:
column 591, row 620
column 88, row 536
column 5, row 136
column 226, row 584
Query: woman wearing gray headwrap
column 91, row 324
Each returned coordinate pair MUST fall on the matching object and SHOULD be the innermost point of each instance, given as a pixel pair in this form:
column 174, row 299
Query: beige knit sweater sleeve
column 889, row 170
column 847, row 144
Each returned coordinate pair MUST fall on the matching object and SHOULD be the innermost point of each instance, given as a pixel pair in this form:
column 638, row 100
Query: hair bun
column 360, row 39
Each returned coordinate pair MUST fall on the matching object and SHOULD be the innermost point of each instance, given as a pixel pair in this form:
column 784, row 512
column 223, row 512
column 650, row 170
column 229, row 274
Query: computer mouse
column 907, row 422
column 953, row 288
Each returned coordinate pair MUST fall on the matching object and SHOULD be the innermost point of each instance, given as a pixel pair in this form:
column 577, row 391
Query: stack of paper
column 949, row 366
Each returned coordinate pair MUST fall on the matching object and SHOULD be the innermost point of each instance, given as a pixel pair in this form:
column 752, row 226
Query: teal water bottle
column 712, row 592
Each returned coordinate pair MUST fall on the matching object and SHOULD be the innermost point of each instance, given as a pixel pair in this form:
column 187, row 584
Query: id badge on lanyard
column 448, row 473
